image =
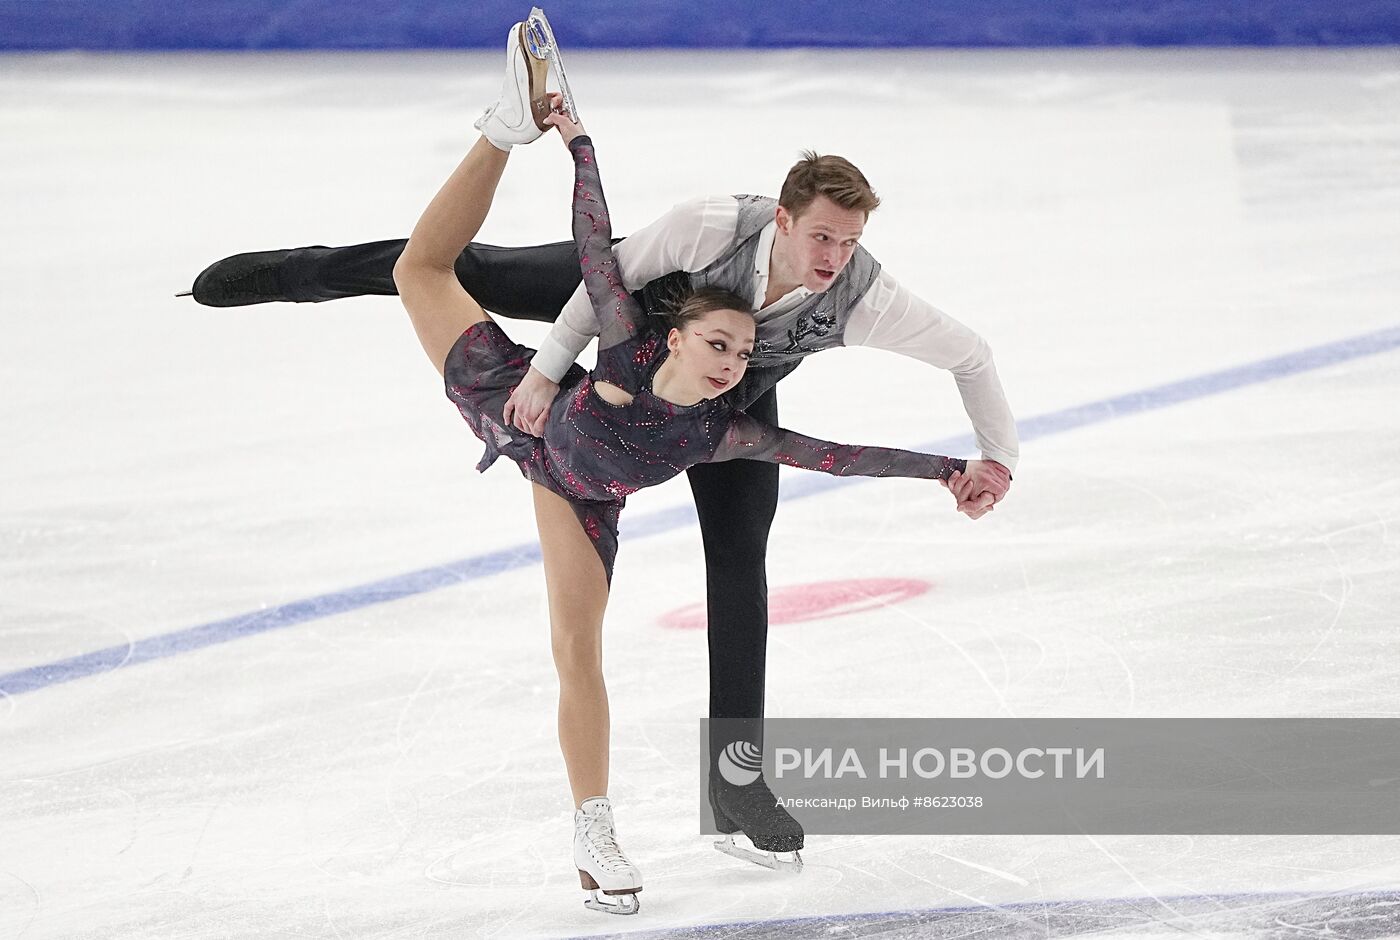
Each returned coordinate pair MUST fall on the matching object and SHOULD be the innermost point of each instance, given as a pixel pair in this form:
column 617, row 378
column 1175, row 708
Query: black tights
column 735, row 500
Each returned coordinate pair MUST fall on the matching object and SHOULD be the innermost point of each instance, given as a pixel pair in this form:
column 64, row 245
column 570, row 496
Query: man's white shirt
column 696, row 233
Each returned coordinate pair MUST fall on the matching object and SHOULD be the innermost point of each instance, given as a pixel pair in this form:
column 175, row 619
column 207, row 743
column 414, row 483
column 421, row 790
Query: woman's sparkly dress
column 595, row 453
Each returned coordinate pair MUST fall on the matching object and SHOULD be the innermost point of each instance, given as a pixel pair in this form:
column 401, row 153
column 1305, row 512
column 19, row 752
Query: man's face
column 813, row 247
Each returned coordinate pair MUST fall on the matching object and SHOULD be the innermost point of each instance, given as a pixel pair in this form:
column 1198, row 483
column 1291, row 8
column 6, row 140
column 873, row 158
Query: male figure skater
column 799, row 258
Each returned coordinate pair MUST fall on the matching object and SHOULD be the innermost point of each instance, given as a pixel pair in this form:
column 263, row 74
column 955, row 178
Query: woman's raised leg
column 438, row 306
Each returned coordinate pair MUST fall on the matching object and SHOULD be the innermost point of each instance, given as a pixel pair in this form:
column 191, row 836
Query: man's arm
column 890, row 317
column 688, row 237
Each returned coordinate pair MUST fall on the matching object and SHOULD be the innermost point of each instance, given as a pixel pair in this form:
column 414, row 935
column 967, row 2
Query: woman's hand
column 568, row 128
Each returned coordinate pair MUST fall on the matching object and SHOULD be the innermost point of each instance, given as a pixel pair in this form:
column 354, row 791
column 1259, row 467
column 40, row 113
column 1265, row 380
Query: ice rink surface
column 1111, row 221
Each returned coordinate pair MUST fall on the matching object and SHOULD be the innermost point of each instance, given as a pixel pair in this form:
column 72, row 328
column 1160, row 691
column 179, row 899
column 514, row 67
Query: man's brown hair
column 834, row 177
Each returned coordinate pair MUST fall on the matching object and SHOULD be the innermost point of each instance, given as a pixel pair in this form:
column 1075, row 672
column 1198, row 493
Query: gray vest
column 819, row 322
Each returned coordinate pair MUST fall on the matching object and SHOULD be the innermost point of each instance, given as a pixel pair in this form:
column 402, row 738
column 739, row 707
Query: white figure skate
column 611, row 880
column 518, row 115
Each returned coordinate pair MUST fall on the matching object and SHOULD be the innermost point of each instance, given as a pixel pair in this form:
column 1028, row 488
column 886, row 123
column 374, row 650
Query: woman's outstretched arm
column 619, row 315
column 425, row 275
column 750, row 439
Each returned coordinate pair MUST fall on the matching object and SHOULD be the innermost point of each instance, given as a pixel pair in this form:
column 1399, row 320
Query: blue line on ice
column 807, row 484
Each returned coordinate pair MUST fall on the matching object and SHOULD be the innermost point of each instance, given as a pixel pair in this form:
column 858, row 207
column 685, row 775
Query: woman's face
column 712, row 352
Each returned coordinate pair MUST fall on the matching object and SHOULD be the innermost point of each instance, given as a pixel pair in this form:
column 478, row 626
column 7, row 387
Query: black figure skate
column 753, row 810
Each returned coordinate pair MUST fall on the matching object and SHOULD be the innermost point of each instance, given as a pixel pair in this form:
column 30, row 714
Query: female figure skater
column 656, row 403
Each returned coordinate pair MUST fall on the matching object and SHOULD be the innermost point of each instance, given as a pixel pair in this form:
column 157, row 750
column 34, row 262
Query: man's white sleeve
column 890, row 317
column 687, row 238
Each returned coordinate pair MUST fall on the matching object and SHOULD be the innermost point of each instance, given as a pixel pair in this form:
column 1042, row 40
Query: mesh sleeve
column 750, row 439
column 756, row 382
column 619, row 315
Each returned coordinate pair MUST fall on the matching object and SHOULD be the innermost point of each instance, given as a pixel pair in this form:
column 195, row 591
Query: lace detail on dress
column 748, row 439
column 619, row 315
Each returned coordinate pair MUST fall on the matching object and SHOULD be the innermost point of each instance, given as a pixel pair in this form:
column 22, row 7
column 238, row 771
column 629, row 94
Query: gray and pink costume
column 595, row 453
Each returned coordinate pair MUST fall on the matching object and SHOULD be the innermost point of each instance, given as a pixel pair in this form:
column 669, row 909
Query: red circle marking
column 814, row 601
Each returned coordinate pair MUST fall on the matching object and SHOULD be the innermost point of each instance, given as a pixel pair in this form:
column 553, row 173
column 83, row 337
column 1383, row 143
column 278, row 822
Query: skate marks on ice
column 21, row 899
column 1221, row 917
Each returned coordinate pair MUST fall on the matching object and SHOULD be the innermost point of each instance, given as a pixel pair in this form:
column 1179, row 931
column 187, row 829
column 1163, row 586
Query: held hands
column 559, row 118
column 528, row 406
column 980, row 488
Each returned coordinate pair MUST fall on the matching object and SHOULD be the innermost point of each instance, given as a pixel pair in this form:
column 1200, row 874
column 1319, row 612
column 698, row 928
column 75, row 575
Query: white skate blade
column 541, row 44
column 777, row 861
column 612, row 904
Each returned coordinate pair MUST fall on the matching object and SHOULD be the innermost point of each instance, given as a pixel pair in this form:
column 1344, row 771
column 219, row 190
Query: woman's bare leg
column 427, row 281
column 578, row 596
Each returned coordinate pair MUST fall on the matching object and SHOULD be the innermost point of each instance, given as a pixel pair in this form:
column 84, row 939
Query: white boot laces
column 599, row 833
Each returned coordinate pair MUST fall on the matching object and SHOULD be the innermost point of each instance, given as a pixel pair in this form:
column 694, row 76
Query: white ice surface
column 1108, row 220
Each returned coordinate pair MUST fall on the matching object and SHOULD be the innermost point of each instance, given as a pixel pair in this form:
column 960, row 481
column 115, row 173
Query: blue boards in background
column 406, row 24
